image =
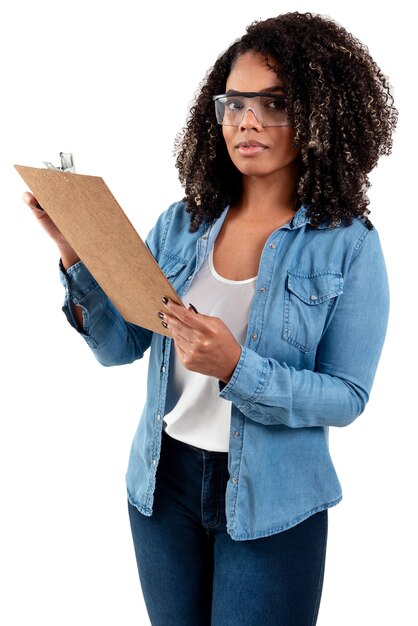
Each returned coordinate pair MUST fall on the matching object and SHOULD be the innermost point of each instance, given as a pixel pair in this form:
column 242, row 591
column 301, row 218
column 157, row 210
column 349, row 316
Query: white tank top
column 197, row 415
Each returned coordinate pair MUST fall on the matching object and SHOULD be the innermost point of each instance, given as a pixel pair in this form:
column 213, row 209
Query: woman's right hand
column 68, row 255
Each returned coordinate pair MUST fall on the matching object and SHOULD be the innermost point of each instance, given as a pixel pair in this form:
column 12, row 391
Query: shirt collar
column 301, row 218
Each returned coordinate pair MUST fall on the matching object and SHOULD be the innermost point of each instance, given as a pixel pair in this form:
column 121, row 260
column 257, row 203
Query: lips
column 251, row 148
column 251, row 144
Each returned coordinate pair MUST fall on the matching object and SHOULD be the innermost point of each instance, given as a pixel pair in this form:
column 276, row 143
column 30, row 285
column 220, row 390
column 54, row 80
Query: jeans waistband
column 201, row 452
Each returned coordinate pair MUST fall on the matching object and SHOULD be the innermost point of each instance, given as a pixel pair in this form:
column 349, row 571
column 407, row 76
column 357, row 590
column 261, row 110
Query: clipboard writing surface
column 85, row 211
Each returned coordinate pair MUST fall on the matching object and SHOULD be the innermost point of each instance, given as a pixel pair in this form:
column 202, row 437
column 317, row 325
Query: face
column 256, row 150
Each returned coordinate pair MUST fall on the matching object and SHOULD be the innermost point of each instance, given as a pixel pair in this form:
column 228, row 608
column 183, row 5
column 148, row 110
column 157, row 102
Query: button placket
column 262, row 290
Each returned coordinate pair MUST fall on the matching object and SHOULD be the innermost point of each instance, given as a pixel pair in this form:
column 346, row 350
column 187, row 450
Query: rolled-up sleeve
column 112, row 340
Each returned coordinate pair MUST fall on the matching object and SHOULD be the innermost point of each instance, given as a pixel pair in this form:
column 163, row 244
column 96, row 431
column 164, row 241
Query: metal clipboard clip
column 67, row 163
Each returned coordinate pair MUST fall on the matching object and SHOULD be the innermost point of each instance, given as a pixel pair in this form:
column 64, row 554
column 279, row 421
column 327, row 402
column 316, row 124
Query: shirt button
column 236, row 434
column 234, row 480
column 314, row 297
column 154, row 462
column 262, row 290
column 190, row 277
column 163, row 368
column 158, row 417
column 272, row 245
column 254, row 336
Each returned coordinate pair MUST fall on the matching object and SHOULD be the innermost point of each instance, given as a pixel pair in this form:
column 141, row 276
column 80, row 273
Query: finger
column 165, row 321
column 187, row 316
column 180, row 350
column 177, row 328
column 185, row 349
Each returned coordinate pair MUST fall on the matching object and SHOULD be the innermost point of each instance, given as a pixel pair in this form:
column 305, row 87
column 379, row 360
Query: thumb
column 31, row 201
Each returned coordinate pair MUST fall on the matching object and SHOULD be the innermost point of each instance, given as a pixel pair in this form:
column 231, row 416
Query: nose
column 249, row 120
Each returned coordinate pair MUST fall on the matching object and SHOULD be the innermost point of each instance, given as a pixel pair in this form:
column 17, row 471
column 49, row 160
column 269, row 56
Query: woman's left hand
column 204, row 343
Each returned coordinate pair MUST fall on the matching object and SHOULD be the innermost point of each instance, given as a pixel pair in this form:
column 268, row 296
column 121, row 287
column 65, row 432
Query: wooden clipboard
column 85, row 211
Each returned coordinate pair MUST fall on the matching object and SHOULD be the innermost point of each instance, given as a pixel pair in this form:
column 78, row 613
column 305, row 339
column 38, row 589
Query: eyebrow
column 271, row 89
column 274, row 88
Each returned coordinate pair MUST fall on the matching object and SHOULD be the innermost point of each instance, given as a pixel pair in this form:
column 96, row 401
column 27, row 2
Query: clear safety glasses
column 268, row 108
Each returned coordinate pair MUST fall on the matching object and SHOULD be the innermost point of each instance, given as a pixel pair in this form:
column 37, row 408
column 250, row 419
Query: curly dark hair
column 339, row 103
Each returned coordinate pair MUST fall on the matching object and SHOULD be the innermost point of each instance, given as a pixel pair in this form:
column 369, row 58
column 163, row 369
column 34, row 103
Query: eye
column 277, row 104
column 233, row 104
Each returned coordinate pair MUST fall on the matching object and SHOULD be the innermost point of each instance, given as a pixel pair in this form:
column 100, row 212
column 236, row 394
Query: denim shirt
column 315, row 332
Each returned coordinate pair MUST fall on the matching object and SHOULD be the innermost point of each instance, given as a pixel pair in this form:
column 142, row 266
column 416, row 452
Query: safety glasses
column 268, row 108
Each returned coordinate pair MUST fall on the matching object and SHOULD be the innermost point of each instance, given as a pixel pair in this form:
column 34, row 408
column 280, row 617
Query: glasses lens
column 269, row 109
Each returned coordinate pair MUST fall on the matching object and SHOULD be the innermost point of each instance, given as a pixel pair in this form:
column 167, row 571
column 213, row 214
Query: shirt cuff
column 248, row 380
column 78, row 281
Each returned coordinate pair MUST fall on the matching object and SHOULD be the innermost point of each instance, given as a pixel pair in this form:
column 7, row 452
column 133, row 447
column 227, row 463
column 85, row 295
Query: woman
column 230, row 477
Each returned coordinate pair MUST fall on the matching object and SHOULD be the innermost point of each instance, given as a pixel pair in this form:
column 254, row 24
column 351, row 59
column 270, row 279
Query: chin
column 249, row 168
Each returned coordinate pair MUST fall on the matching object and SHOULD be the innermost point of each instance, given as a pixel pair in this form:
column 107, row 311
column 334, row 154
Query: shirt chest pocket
column 308, row 302
column 172, row 267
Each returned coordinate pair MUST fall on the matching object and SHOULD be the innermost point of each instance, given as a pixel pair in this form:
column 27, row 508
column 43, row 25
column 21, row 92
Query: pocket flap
column 171, row 266
column 315, row 288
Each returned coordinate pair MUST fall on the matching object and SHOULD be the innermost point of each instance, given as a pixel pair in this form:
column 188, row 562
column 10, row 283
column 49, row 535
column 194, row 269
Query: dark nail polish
column 164, row 324
column 193, row 308
column 165, row 300
column 160, row 315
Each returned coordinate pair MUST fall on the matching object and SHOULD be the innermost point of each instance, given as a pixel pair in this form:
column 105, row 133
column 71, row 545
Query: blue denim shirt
column 315, row 332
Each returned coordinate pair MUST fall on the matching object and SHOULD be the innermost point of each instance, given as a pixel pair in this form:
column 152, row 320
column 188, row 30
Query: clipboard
column 85, row 211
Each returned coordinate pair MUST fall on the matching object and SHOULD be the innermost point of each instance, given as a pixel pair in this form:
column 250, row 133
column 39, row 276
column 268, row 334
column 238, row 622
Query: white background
column 112, row 83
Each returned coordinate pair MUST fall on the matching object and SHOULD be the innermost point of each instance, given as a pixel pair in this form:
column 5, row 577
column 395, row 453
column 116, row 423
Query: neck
column 263, row 197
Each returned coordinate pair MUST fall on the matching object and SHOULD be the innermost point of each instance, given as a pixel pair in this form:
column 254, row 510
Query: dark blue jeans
column 193, row 574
